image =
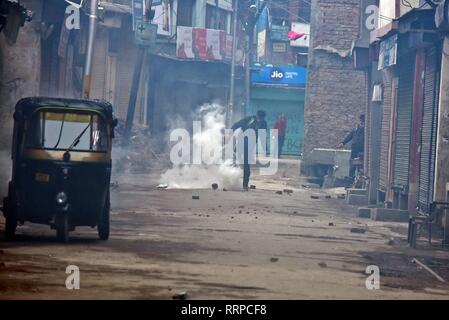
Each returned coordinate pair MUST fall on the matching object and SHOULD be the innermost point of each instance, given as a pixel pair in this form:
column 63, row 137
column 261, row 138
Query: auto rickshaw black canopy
column 27, row 106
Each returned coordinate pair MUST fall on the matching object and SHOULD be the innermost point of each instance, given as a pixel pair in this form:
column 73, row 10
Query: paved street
column 226, row 245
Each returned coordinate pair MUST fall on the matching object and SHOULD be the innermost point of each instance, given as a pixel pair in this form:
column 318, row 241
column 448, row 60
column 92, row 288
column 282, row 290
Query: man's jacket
column 357, row 135
column 250, row 123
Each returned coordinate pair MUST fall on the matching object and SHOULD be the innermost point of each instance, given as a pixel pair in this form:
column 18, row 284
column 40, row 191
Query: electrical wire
column 289, row 12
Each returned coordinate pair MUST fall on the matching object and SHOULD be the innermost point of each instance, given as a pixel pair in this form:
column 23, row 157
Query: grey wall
column 19, row 77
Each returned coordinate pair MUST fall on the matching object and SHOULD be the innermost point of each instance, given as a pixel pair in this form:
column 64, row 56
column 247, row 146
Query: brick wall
column 336, row 93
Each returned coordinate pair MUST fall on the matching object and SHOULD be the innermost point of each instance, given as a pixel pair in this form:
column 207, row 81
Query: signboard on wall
column 388, row 52
column 284, row 76
column 301, row 28
column 203, row 44
column 279, row 33
column 279, row 47
column 162, row 15
column 145, row 33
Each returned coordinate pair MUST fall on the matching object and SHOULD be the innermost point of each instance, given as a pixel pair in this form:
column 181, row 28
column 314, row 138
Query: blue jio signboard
column 280, row 90
column 292, row 76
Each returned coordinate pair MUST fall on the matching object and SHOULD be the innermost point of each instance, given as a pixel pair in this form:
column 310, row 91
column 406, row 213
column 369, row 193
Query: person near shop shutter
column 357, row 137
column 281, row 127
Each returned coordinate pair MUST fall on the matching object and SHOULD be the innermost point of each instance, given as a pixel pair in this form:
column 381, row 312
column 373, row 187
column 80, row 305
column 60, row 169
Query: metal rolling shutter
column 385, row 135
column 429, row 130
column 404, row 121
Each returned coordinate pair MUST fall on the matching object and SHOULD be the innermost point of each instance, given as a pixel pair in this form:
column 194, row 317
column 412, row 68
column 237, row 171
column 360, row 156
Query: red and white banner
column 203, row 44
column 184, row 46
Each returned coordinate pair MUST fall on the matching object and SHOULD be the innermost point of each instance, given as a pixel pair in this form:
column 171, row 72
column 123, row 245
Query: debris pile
column 137, row 155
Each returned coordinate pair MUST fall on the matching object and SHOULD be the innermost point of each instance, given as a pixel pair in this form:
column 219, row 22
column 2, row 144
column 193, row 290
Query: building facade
column 406, row 101
column 279, row 75
column 48, row 59
column 336, row 91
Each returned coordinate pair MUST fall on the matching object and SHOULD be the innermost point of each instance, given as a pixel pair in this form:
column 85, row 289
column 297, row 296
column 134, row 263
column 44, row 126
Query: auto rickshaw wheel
column 103, row 226
column 62, row 227
column 10, row 216
column 10, row 227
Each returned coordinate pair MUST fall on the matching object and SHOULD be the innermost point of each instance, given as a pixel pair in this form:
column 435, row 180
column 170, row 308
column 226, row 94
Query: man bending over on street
column 255, row 123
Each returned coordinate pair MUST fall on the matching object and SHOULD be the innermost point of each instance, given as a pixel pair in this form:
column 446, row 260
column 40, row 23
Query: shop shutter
column 127, row 53
column 429, row 130
column 385, row 138
column 404, row 121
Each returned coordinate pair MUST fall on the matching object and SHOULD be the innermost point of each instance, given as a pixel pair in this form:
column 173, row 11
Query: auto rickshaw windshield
column 58, row 130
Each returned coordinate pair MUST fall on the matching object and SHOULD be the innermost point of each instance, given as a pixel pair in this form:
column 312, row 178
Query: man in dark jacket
column 250, row 123
column 357, row 136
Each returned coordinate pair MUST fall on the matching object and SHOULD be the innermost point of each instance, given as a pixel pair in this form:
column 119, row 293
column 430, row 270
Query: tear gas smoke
column 199, row 176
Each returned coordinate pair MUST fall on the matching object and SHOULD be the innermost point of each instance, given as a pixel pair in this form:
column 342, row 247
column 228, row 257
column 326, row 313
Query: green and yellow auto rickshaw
column 61, row 171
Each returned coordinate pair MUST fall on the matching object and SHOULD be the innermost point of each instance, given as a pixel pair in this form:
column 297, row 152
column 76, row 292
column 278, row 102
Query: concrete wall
column 336, row 93
column 19, row 77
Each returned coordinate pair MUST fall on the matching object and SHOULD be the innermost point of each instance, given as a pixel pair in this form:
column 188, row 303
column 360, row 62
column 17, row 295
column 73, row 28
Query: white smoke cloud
column 199, row 176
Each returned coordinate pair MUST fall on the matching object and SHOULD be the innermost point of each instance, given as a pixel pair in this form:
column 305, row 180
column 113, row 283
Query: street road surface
column 226, row 245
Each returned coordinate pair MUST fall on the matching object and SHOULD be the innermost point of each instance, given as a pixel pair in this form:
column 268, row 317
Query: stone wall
column 336, row 93
column 19, row 77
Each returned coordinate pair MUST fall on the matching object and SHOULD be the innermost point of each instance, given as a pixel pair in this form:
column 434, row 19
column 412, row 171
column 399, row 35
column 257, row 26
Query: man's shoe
column 245, row 189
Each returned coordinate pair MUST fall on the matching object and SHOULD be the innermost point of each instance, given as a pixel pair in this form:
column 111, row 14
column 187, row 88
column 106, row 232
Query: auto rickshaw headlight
column 61, row 198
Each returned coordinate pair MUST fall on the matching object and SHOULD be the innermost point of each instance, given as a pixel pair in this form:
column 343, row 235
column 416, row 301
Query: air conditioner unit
column 76, row 3
column 442, row 16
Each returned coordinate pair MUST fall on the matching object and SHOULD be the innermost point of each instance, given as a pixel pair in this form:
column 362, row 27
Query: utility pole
column 134, row 91
column 230, row 111
column 136, row 77
column 90, row 48
column 254, row 13
column 248, row 63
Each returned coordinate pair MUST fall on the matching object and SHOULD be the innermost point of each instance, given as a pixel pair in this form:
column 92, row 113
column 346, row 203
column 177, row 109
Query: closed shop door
column 290, row 102
column 429, row 130
column 385, row 133
column 294, row 113
column 404, row 122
